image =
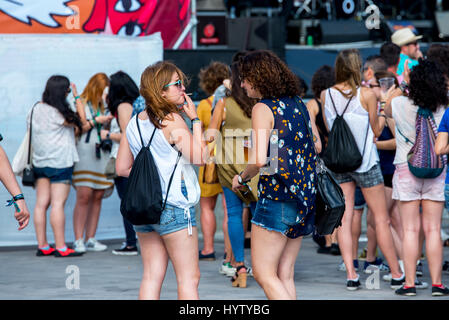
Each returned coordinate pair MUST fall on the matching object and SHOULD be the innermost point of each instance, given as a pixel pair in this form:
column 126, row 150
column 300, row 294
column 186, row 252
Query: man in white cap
column 408, row 42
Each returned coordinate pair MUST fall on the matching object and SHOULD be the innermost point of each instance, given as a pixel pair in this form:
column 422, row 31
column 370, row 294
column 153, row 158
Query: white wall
column 26, row 62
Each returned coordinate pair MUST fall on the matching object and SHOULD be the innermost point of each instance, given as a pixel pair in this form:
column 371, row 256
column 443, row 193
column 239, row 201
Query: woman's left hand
column 236, row 186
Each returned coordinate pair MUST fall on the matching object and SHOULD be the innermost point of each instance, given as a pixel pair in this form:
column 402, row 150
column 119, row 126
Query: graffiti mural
column 120, row 17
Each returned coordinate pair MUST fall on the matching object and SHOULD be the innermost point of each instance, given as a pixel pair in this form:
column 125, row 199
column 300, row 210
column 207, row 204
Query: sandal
column 239, row 279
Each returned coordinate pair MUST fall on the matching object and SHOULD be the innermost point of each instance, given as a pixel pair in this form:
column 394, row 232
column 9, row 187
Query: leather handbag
column 210, row 175
column 330, row 200
column 28, row 177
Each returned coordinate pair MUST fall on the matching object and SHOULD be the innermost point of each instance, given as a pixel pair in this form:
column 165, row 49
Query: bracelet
column 13, row 201
column 77, row 97
column 195, row 120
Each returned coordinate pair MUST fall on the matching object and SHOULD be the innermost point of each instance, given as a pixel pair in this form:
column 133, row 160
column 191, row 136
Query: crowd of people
column 250, row 139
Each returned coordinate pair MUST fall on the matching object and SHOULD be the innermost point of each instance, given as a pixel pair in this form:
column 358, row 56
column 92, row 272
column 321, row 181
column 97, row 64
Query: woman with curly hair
column 232, row 117
column 286, row 188
column 428, row 91
column 358, row 106
column 211, row 78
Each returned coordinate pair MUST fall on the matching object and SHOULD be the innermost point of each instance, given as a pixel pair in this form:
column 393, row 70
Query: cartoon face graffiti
column 139, row 17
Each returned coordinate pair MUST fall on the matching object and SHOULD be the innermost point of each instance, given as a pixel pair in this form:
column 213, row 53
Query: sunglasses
column 415, row 43
column 176, row 83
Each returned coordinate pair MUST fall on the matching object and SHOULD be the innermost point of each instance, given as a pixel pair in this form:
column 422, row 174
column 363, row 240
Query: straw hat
column 404, row 36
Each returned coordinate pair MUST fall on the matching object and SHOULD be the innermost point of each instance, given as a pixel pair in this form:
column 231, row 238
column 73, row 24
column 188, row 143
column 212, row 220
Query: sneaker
column 387, row 277
column 126, row 251
column 94, row 245
column 353, row 285
column 67, row 253
column 207, row 257
column 419, row 269
column 342, row 267
column 45, row 252
column 335, row 249
column 378, row 264
column 421, row 284
column 406, row 291
column 397, row 283
column 79, row 246
column 227, row 269
column 439, row 291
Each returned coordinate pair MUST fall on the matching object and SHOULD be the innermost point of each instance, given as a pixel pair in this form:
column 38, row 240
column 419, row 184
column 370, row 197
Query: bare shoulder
column 312, row 106
column 367, row 94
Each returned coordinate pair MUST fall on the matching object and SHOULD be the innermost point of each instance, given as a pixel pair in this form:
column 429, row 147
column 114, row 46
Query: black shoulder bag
column 142, row 201
column 330, row 201
column 28, row 177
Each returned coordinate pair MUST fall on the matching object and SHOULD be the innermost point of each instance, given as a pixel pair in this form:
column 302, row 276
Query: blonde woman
column 176, row 236
column 89, row 179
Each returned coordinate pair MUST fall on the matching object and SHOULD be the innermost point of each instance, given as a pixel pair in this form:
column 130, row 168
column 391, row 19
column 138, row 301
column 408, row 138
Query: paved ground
column 105, row 276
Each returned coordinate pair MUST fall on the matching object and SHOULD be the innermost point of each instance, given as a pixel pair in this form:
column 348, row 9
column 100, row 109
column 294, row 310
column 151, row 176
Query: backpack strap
column 171, row 179
column 177, row 159
column 333, row 104
column 31, row 131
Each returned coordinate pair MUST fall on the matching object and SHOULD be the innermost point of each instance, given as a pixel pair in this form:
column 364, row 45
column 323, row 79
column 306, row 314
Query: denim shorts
column 63, row 175
column 172, row 219
column 283, row 217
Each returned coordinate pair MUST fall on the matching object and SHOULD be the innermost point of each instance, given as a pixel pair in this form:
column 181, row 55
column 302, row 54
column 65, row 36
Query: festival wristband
column 13, row 201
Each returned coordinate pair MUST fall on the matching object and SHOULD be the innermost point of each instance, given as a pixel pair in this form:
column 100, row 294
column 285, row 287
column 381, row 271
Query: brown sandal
column 239, row 280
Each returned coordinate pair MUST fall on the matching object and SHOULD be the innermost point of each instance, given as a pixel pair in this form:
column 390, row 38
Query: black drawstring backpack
column 342, row 154
column 142, row 201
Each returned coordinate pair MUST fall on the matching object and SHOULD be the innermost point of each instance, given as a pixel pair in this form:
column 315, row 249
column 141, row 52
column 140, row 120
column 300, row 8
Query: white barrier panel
column 26, row 62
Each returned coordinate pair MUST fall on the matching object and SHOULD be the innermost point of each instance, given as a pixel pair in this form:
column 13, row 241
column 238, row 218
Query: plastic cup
column 386, row 83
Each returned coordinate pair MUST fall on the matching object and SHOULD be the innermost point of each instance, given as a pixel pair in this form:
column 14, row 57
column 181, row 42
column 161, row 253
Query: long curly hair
column 212, row 76
column 269, row 75
column 427, row 86
column 245, row 103
column 439, row 53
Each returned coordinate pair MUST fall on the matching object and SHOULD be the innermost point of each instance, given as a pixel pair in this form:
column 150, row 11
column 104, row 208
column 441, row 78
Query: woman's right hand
column 74, row 90
column 189, row 108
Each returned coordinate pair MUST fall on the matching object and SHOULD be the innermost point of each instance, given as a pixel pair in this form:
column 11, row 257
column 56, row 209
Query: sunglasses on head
column 176, row 83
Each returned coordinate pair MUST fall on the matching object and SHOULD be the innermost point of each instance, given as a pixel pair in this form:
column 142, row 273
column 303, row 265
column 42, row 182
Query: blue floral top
column 292, row 160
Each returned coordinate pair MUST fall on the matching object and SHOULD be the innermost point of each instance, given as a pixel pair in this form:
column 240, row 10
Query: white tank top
column 165, row 157
column 357, row 119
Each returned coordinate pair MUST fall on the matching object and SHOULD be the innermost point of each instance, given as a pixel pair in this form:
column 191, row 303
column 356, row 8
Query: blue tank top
column 293, row 177
column 386, row 157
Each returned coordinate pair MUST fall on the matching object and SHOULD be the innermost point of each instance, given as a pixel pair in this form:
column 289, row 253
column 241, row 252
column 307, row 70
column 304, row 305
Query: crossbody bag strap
column 29, row 138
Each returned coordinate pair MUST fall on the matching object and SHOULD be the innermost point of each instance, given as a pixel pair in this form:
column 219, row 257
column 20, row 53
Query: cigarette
column 189, row 94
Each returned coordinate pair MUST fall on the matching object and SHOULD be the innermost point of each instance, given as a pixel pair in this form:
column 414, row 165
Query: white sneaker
column 227, row 269
column 387, row 277
column 79, row 246
column 93, row 245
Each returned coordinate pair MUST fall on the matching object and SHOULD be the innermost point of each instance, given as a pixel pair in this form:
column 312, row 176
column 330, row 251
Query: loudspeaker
column 442, row 19
column 341, row 31
column 191, row 62
column 257, row 33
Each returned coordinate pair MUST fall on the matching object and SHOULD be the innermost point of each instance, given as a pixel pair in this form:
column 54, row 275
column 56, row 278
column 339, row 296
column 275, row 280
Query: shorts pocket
column 167, row 217
column 289, row 213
